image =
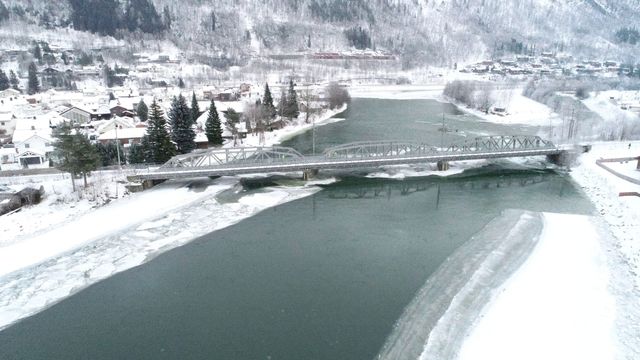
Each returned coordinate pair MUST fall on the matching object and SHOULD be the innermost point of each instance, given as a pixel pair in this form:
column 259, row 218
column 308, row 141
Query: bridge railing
column 387, row 149
column 501, row 143
column 233, row 156
column 372, row 149
column 256, row 156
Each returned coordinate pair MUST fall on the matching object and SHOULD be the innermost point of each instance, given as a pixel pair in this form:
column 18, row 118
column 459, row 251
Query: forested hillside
column 418, row 31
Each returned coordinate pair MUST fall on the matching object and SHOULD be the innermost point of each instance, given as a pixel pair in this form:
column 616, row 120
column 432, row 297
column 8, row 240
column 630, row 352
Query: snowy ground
column 558, row 304
column 622, row 214
column 297, row 127
column 608, row 104
column 519, row 110
column 576, row 295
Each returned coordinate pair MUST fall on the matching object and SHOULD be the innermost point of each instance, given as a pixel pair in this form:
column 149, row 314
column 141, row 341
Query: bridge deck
column 323, row 163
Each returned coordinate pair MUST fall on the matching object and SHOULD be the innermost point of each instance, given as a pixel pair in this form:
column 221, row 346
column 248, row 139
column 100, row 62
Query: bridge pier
column 443, row 165
column 148, row 184
column 309, row 174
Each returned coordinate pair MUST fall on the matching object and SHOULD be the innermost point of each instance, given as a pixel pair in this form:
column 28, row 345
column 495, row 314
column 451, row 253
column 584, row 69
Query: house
column 226, row 95
column 34, row 151
column 125, row 136
column 108, row 125
column 9, row 94
column 77, row 115
column 101, row 112
column 201, row 140
column 120, row 110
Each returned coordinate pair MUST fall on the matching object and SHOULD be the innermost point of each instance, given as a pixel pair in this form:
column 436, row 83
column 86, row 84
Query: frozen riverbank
column 91, row 257
column 453, row 296
column 559, row 303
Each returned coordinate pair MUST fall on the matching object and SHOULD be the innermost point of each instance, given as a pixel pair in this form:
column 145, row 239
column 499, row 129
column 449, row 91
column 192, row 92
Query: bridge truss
column 245, row 160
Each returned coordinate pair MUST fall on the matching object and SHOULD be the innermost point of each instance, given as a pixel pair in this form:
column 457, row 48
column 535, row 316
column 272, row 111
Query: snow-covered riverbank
column 576, row 295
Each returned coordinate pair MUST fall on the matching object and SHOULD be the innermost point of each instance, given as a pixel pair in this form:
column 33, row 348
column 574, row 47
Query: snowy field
column 519, row 110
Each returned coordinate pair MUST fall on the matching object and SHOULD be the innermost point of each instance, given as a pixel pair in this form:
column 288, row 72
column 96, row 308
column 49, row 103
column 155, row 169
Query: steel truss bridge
column 251, row 160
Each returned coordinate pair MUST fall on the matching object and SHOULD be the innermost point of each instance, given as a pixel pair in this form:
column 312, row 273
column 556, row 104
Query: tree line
column 107, row 17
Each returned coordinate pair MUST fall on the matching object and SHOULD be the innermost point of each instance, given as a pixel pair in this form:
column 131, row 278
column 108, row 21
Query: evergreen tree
column 157, row 145
column 65, row 58
column 37, row 53
column 232, row 120
column 4, row 12
column 166, row 16
column 4, row 81
column 136, row 154
column 13, row 79
column 292, row 108
column 143, row 111
column 213, row 128
column 33, row 86
column 195, row 109
column 182, row 133
column 109, row 76
column 267, row 101
column 108, row 153
column 96, row 16
column 180, row 83
column 74, row 152
column 282, row 105
column 142, row 15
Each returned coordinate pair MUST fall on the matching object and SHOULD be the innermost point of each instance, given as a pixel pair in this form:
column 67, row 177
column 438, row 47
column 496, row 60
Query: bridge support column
column 638, row 167
column 309, row 174
column 443, row 165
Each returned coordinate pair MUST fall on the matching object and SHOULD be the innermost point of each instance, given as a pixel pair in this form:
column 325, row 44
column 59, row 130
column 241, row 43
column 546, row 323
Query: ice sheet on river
column 453, row 297
column 27, row 291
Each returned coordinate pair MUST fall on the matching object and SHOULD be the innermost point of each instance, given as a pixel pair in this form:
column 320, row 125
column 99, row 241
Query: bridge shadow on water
column 357, row 185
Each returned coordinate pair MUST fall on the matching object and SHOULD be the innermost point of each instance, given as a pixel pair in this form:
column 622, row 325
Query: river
column 323, row 277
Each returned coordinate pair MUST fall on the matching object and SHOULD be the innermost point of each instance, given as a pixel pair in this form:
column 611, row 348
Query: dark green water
column 324, row 277
column 409, row 120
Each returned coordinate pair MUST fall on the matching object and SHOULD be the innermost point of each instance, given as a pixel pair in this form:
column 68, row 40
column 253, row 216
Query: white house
column 121, row 122
column 9, row 94
column 34, row 152
column 126, row 136
column 32, row 139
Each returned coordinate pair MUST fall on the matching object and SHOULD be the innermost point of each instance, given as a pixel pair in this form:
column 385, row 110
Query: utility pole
column 313, row 135
column 118, row 152
column 442, row 129
column 118, row 148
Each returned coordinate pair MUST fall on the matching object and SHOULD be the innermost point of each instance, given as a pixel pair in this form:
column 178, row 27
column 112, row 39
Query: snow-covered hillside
column 229, row 32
